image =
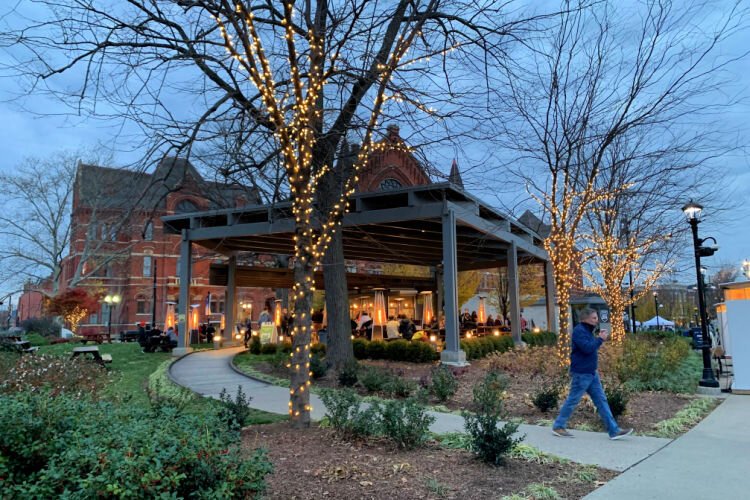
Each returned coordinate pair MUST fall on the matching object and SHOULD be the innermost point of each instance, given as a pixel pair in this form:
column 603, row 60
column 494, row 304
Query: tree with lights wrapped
column 602, row 76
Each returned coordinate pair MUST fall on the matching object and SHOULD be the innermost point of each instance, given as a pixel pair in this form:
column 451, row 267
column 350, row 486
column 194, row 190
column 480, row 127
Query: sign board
column 268, row 333
column 604, row 316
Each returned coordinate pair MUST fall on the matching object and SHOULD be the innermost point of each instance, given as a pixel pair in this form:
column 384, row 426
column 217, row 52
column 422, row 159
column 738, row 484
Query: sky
column 35, row 125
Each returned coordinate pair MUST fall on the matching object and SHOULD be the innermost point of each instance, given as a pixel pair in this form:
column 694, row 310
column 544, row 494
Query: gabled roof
column 118, row 188
column 534, row 223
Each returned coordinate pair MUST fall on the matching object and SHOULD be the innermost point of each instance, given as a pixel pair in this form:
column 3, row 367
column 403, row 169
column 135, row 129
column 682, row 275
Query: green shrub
column 546, row 398
column 348, row 374
column 269, row 349
column 255, row 345
column 396, row 350
column 399, row 386
column 360, row 348
column 46, row 327
column 373, row 379
column 319, row 349
column 667, row 364
column 376, row 350
column 406, row 422
column 79, row 449
column 235, row 413
column 37, row 339
column 490, row 441
column 444, row 383
column 541, row 338
column 318, row 366
column 617, row 398
column 346, row 416
column 285, row 347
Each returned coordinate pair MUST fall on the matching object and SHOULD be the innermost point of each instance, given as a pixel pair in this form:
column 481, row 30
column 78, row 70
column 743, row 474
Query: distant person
column 490, row 321
column 171, row 337
column 265, row 316
column 584, row 378
column 363, row 318
column 391, row 328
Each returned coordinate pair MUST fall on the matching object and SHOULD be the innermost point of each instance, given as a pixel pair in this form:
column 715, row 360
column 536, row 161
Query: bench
column 99, row 338
column 93, row 351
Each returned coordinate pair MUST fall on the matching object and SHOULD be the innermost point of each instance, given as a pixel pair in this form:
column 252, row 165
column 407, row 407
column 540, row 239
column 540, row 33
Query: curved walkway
column 208, row 372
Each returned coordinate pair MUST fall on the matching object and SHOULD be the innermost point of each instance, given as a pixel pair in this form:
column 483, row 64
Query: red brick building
column 117, row 240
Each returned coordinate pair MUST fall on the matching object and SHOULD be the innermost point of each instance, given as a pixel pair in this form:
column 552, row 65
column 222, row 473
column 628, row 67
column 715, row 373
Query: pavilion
column 437, row 225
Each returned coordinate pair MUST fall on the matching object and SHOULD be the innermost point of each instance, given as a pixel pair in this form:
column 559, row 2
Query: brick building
column 117, row 240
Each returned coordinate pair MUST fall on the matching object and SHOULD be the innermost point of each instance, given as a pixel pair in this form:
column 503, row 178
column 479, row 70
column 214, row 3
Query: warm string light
column 295, row 119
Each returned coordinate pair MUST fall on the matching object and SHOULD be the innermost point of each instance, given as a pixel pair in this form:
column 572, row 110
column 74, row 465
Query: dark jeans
column 590, row 383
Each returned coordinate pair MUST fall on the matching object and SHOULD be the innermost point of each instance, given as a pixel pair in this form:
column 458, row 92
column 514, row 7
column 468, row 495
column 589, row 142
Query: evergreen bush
column 235, row 413
column 269, row 348
column 349, row 374
column 490, row 441
column 444, row 383
column 406, row 422
column 318, row 366
column 72, row 448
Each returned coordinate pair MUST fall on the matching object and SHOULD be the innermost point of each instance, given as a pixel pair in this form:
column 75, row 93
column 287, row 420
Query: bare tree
column 603, row 75
column 303, row 76
column 38, row 235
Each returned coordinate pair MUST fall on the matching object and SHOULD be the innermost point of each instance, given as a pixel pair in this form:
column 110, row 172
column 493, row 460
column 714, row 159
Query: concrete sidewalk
column 208, row 372
column 710, row 461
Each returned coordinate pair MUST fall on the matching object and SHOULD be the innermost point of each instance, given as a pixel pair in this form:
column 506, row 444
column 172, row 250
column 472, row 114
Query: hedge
column 396, row 350
column 539, row 338
column 479, row 347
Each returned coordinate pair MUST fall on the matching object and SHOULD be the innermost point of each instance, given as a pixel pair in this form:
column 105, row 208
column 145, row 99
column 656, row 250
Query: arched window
column 186, row 206
column 389, row 184
column 148, row 232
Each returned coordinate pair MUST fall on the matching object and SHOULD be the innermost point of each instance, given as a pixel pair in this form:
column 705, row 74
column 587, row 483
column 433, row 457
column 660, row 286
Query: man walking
column 584, row 358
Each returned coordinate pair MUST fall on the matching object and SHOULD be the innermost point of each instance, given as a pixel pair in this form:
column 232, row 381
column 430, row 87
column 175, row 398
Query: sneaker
column 560, row 432
column 621, row 434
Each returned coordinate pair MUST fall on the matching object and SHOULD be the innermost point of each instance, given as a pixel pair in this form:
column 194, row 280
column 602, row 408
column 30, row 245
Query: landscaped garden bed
column 652, row 377
column 315, row 463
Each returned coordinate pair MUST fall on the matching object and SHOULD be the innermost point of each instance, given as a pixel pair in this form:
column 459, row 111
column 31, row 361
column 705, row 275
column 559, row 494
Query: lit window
column 147, row 265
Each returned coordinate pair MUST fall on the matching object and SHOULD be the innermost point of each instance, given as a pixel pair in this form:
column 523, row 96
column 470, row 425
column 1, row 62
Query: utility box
column 734, row 317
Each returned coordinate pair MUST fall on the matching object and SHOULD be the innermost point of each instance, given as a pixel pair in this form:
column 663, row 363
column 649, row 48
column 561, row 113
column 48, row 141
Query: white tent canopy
column 661, row 322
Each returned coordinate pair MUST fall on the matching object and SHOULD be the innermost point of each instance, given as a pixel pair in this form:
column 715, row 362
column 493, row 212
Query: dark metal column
column 452, row 354
column 186, row 258
column 514, row 295
column 230, row 299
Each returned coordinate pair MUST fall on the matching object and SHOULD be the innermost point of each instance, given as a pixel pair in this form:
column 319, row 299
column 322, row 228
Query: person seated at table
column 406, row 328
column 363, row 318
column 171, row 337
column 490, row 321
column 465, row 317
column 474, row 317
column 353, row 323
column 420, row 336
column 499, row 321
column 210, row 332
column 391, row 328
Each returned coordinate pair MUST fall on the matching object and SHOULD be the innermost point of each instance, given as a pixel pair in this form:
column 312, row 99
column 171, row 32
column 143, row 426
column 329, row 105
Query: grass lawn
column 131, row 369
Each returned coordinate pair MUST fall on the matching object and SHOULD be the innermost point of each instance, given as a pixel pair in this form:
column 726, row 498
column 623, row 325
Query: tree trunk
column 617, row 321
column 299, row 390
column 563, row 336
column 339, row 349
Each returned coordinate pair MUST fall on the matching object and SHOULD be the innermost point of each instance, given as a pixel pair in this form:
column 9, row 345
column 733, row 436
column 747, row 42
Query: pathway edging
column 209, row 372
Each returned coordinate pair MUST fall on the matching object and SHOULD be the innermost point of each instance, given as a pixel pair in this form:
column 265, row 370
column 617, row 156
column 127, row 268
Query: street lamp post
column 693, row 211
column 656, row 308
column 111, row 301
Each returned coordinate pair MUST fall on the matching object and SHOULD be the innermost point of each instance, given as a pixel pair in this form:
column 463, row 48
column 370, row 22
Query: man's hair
column 586, row 312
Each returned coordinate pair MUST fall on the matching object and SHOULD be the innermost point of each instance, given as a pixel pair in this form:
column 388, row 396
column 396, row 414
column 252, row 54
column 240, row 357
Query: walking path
column 208, row 372
column 710, row 461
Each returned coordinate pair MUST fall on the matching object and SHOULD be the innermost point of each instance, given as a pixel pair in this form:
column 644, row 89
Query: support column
column 183, row 316
column 452, row 354
column 514, row 295
column 551, row 300
column 230, row 300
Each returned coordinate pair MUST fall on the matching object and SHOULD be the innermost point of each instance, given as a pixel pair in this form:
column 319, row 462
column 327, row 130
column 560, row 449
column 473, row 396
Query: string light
column 295, row 118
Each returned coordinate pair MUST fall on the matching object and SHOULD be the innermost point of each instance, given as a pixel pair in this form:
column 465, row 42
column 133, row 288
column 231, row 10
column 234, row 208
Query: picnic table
column 19, row 346
column 94, row 352
column 96, row 337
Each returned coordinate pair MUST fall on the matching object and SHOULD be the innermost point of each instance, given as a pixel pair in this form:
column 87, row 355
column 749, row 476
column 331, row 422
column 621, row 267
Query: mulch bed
column 644, row 409
column 314, row 463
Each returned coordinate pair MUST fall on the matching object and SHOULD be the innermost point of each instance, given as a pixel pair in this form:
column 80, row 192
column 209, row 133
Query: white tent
column 662, row 322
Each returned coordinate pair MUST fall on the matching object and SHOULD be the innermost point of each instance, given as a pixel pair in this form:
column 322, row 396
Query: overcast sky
column 36, row 126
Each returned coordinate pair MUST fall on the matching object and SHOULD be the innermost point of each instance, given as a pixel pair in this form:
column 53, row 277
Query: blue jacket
column 585, row 352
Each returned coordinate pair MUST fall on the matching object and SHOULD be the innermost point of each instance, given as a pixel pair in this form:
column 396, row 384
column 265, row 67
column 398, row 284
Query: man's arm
column 585, row 341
